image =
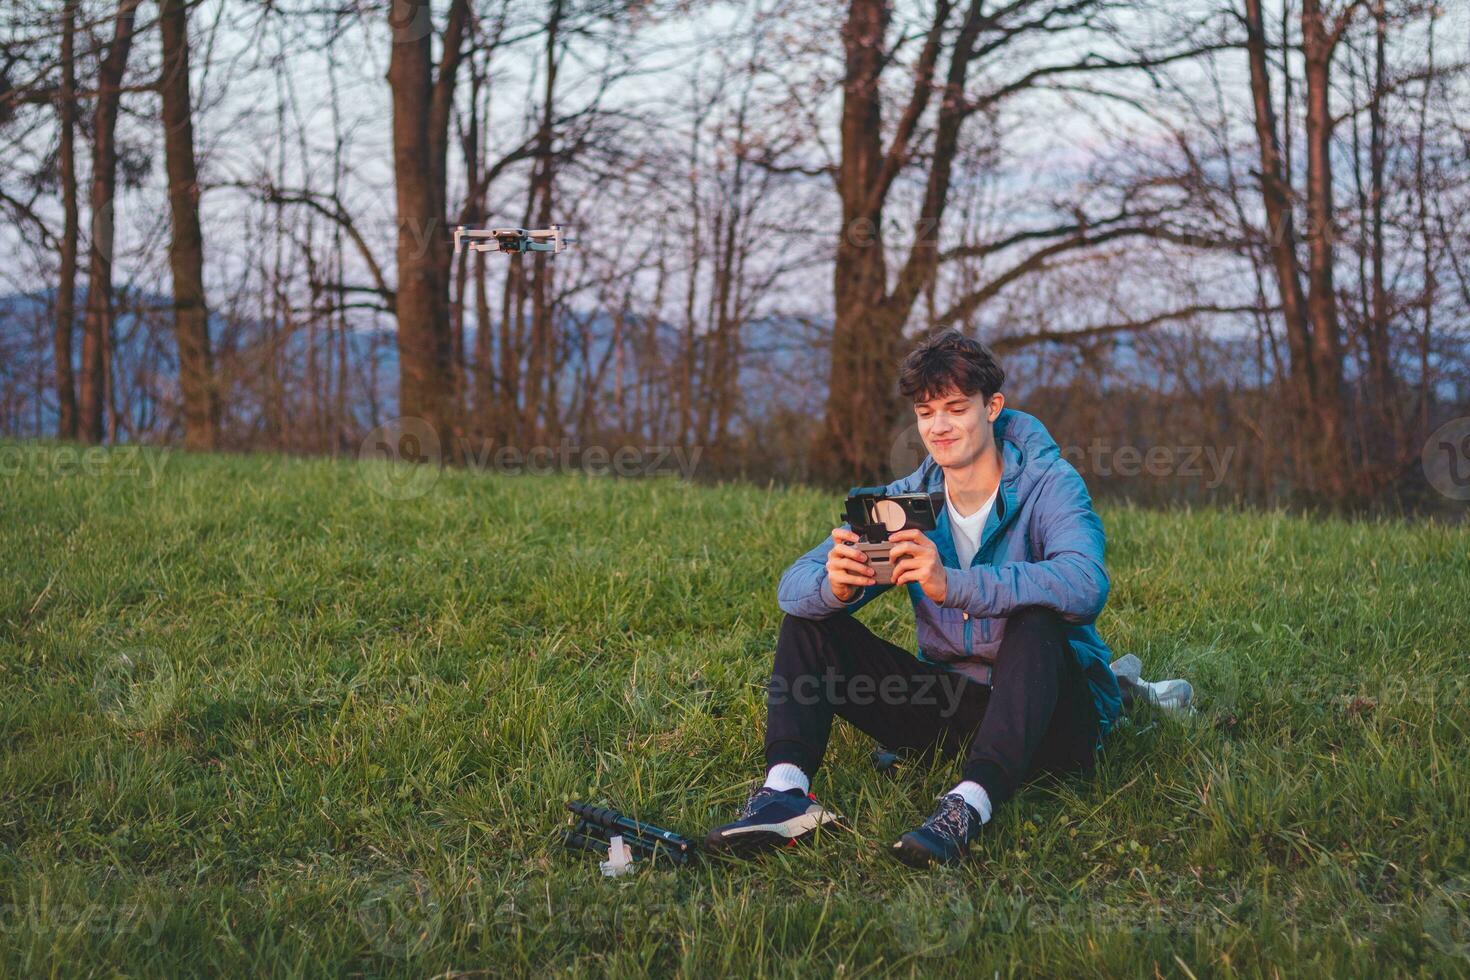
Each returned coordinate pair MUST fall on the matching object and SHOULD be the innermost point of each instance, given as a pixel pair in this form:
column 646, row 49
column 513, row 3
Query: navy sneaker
column 770, row 818
column 942, row 839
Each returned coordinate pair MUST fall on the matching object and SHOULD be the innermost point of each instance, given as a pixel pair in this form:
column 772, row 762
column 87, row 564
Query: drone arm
column 479, row 239
column 510, row 239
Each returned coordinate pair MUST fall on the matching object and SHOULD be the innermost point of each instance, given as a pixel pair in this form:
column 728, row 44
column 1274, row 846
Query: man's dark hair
column 949, row 360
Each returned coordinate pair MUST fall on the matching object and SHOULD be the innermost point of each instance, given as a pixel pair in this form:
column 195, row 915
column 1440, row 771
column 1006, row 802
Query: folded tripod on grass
column 597, row 826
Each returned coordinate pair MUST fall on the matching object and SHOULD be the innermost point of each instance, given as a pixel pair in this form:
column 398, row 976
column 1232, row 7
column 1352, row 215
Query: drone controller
column 874, row 515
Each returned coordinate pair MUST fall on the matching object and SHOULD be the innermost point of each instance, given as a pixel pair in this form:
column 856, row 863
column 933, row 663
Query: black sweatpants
column 1036, row 716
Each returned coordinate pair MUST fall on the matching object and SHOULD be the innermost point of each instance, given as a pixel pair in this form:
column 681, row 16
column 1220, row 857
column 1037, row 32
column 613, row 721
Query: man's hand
column 848, row 570
column 915, row 559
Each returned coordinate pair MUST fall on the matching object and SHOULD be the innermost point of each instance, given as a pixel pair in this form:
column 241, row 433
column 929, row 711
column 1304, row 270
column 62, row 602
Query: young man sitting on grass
column 1010, row 669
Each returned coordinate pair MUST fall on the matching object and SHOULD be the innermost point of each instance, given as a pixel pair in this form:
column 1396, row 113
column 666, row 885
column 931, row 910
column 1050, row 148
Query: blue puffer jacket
column 1042, row 545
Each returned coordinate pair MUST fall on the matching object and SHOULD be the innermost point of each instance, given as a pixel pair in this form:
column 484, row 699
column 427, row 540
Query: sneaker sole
column 911, row 854
column 760, row 837
column 916, row 855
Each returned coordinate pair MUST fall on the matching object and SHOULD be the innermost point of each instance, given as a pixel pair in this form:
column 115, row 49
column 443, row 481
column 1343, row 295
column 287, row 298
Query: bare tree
column 98, row 324
column 869, row 313
column 540, row 411
column 1310, row 312
column 66, row 286
column 422, row 103
column 1256, row 243
column 186, row 246
column 1320, row 35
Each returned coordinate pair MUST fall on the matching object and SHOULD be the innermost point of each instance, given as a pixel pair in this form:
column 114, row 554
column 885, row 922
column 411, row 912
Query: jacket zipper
column 984, row 545
column 1000, row 498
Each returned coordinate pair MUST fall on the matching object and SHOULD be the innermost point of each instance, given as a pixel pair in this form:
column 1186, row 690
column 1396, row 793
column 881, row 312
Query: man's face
column 956, row 427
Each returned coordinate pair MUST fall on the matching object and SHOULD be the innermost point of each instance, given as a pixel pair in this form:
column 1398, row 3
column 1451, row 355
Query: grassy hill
column 256, row 716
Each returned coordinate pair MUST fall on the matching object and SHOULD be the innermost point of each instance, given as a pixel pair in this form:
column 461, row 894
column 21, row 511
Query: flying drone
column 510, row 240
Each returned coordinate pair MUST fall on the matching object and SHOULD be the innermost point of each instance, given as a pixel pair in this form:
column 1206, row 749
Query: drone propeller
column 510, row 240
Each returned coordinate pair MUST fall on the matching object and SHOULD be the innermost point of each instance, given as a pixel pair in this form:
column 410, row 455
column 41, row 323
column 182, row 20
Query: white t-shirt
column 967, row 530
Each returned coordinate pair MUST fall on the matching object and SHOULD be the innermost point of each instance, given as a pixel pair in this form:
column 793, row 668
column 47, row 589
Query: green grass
column 256, row 717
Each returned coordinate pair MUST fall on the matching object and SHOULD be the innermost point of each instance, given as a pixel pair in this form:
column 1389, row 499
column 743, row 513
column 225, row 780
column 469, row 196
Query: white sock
column 974, row 795
column 785, row 775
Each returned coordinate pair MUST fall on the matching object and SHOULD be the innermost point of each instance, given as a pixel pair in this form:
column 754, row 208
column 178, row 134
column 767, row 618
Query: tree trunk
column 458, row 374
column 1384, row 410
column 423, row 382
column 97, row 325
column 1317, row 468
column 1423, row 188
column 687, row 356
column 1326, row 348
column 420, row 139
column 540, row 398
column 473, row 212
column 186, row 248
column 854, row 436
column 507, row 426
column 1276, row 197
column 862, row 403
column 66, row 289
column 485, row 414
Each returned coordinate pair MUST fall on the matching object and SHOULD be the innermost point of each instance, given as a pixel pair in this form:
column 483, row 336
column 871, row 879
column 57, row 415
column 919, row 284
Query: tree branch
column 24, row 210
column 1037, row 261
column 1080, row 225
column 1090, row 62
column 898, row 150
column 1017, row 341
column 336, row 213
